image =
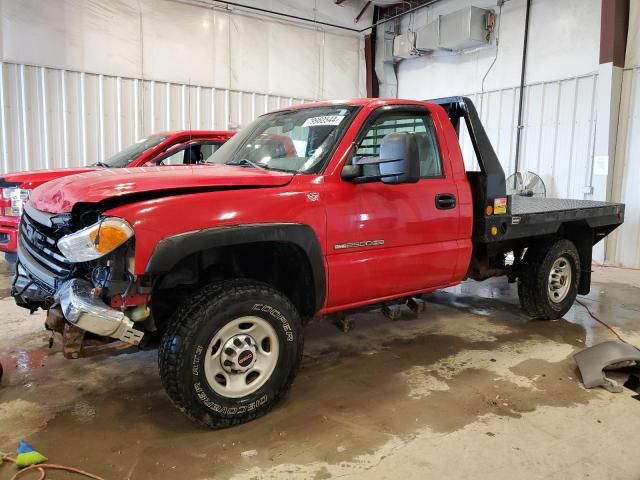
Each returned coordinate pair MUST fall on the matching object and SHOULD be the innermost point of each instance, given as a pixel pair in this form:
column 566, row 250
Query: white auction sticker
column 324, row 120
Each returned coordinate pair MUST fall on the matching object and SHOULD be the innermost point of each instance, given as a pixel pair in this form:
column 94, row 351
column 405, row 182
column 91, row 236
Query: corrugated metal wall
column 623, row 247
column 59, row 118
column 557, row 138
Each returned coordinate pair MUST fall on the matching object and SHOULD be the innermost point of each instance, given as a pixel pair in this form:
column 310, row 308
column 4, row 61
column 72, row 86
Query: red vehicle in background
column 184, row 147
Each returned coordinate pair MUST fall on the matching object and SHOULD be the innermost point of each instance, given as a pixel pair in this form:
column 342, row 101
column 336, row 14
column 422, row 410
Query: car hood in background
column 36, row 178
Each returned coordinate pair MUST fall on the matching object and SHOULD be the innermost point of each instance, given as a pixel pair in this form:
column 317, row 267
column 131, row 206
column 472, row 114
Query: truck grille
column 40, row 242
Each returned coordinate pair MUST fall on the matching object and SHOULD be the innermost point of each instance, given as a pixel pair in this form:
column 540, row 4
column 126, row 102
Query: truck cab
column 312, row 211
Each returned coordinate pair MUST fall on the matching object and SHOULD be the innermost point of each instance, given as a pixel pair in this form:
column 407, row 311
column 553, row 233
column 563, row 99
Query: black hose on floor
column 605, row 324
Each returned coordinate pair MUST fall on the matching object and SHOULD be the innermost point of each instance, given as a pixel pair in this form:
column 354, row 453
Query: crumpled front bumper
column 79, row 307
column 91, row 314
column 30, row 291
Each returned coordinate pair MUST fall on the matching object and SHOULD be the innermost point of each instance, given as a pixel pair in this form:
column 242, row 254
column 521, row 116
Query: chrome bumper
column 91, row 314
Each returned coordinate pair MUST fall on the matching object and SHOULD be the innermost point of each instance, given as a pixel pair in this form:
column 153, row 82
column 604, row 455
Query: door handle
column 445, row 201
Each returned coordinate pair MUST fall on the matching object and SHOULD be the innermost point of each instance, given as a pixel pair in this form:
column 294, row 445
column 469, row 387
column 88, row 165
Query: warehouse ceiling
column 391, row 9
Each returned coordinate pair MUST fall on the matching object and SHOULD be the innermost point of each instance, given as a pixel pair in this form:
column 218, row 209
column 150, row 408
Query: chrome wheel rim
column 241, row 357
column 559, row 280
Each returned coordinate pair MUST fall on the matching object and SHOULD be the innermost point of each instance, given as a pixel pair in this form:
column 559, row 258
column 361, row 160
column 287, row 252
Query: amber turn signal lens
column 489, row 210
column 494, row 231
column 107, row 237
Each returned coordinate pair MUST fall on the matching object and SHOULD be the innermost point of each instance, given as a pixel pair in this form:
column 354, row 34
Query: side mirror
column 351, row 172
column 400, row 158
column 399, row 161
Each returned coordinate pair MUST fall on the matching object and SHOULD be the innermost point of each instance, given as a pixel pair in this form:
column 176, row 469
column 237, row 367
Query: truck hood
column 59, row 196
column 36, row 178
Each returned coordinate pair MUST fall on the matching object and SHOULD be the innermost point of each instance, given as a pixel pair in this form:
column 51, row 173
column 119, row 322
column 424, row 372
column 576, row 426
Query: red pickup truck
column 165, row 148
column 370, row 204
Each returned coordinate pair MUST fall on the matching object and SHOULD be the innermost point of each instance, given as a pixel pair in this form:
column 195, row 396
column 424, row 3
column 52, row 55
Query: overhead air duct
column 385, row 61
column 461, row 30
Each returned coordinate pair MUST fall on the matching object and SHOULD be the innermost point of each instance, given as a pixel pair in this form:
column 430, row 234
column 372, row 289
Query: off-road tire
column 533, row 279
column 195, row 323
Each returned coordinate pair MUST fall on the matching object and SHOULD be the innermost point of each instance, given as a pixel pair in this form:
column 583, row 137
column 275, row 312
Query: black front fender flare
column 171, row 250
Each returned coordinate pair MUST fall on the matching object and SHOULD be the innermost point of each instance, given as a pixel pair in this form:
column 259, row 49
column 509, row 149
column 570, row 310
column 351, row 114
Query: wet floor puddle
column 344, row 404
column 24, row 362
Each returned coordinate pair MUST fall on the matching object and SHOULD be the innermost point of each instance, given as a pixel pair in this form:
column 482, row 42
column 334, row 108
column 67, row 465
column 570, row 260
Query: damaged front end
column 78, row 268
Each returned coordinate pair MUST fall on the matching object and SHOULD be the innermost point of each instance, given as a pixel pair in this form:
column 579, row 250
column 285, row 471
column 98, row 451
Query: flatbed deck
column 534, row 217
column 527, row 205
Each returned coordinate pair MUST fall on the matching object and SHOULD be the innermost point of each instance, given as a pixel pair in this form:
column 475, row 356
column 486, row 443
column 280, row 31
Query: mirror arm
column 373, row 160
column 374, row 178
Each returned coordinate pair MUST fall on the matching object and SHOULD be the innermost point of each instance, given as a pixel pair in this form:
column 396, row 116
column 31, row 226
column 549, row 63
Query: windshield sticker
column 324, row 120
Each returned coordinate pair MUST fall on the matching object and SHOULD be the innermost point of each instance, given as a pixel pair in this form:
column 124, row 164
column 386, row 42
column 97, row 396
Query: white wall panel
column 249, row 53
column 623, row 247
column 174, row 41
column 557, row 138
column 298, row 67
column 342, row 53
column 57, row 118
column 73, row 34
column 185, row 44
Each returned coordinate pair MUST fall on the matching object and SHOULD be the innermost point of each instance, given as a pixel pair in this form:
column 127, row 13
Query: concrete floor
column 468, row 389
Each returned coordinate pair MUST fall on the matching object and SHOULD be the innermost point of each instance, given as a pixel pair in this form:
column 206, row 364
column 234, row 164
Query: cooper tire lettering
column 258, row 307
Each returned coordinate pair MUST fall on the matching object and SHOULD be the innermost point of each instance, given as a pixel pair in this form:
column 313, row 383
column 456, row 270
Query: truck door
column 388, row 240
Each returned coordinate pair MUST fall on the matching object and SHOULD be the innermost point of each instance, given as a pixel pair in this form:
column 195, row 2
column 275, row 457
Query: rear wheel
column 230, row 352
column 548, row 279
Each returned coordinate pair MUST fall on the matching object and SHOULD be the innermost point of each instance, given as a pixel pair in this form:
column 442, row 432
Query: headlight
column 95, row 241
column 14, row 198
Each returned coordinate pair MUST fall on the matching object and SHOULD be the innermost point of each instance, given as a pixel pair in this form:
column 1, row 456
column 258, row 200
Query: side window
column 208, row 149
column 419, row 123
column 176, row 158
column 190, row 155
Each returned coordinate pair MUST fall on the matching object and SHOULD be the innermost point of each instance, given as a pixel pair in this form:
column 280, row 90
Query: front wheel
column 230, row 352
column 548, row 279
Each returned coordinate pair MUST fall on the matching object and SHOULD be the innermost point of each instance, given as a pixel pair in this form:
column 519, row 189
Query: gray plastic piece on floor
column 593, row 360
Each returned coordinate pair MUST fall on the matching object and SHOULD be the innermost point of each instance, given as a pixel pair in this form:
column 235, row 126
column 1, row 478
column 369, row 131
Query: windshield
column 126, row 156
column 291, row 141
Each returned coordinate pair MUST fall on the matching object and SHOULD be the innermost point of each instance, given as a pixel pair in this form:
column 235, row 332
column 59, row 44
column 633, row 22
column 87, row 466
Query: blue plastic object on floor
column 27, row 455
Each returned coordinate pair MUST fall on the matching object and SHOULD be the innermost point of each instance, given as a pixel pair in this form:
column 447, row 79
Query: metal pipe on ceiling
column 210, row 4
column 364, row 9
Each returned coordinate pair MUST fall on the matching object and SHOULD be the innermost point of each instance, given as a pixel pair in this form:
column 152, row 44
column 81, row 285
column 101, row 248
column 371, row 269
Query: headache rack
column 499, row 217
column 487, row 185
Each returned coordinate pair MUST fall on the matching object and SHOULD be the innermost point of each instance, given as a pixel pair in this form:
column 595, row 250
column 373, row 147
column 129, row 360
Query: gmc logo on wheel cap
column 245, row 358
